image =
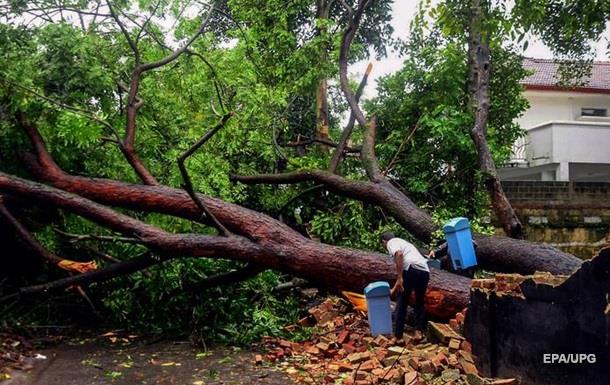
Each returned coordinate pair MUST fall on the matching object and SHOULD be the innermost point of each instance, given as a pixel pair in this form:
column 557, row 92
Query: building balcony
column 562, row 151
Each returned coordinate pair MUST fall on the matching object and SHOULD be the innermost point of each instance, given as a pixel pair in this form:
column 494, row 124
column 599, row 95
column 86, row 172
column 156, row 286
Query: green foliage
column 425, row 117
column 567, row 27
column 165, row 300
column 264, row 64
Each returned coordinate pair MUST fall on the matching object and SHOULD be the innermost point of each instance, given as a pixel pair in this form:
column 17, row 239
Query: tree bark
column 347, row 132
column 322, row 115
column 495, row 253
column 478, row 85
column 273, row 245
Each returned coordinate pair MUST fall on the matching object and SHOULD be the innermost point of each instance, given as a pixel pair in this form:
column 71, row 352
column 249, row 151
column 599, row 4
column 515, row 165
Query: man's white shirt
column 410, row 255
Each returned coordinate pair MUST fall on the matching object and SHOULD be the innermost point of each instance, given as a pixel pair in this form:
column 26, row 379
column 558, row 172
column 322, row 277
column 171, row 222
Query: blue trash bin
column 378, row 304
column 434, row 263
column 459, row 241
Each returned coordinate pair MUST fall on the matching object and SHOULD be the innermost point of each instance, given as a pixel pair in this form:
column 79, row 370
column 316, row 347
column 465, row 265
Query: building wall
column 546, row 106
column 582, row 142
column 561, row 144
column 569, row 142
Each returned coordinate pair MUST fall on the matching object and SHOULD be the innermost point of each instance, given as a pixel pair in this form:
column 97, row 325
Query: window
column 593, row 112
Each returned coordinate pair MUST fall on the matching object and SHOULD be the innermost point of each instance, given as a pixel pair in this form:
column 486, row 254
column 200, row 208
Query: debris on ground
column 342, row 351
column 16, row 353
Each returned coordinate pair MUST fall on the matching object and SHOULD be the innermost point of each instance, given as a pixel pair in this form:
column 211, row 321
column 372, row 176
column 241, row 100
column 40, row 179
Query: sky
column 402, row 14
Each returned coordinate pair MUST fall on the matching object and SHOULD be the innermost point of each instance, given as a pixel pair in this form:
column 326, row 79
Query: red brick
column 426, row 366
column 343, row 337
column 440, row 359
column 459, row 317
column 323, row 346
column 411, row 378
column 454, row 344
column 466, row 346
column 368, row 366
column 414, row 363
column 454, row 325
column 313, row 350
column 467, row 367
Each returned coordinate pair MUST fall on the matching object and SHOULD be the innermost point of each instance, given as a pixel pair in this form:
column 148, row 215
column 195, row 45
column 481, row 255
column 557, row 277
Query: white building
column 568, row 130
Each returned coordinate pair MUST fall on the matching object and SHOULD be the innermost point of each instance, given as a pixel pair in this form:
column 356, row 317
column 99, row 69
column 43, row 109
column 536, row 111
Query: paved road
column 164, row 363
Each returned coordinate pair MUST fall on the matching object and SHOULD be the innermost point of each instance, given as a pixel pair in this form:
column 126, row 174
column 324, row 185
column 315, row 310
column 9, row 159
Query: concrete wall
column 568, row 150
column 539, row 150
column 582, row 142
column 546, row 106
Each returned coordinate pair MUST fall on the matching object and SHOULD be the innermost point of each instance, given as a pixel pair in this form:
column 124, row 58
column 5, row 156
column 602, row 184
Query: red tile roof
column 546, row 77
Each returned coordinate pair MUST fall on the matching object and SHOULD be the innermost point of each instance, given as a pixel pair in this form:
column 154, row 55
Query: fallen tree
column 249, row 236
column 256, row 237
column 271, row 244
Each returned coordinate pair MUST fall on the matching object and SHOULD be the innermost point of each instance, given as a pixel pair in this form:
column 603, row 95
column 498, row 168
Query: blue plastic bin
column 378, row 303
column 459, row 241
column 434, row 263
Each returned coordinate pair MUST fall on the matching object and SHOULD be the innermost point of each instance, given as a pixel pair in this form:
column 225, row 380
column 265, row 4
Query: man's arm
column 440, row 252
column 399, row 260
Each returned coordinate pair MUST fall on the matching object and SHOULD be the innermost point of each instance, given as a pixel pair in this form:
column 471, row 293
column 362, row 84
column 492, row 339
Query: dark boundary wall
column 511, row 333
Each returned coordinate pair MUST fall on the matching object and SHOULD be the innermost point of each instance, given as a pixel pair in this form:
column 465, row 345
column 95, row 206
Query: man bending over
column 413, row 275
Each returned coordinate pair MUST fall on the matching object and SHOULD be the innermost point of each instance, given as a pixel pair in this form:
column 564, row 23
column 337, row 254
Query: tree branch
column 123, row 29
column 73, row 238
column 347, row 132
column 145, row 24
column 188, row 185
column 80, row 111
column 134, row 103
column 326, row 142
column 398, row 151
column 224, row 279
column 268, row 232
column 174, row 55
column 26, row 237
column 346, row 41
column 297, row 196
column 104, row 274
column 412, row 218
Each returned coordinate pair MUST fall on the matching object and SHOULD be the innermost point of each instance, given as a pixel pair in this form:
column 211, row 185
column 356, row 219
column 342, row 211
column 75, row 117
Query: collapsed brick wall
column 513, row 321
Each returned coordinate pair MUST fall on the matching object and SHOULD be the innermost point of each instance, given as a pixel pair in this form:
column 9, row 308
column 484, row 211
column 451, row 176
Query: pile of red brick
column 510, row 283
column 343, row 352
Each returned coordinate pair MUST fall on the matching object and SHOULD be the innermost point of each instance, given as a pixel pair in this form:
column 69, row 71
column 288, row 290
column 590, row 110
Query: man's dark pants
column 413, row 280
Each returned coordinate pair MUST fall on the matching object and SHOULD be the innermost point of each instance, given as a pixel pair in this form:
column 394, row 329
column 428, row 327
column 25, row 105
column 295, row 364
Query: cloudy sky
column 403, row 12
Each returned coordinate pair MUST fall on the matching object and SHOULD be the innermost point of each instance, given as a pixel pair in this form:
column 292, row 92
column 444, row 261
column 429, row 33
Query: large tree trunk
column 322, row 121
column 322, row 114
column 261, row 239
column 268, row 243
column 478, row 85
